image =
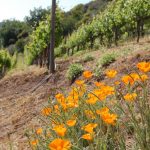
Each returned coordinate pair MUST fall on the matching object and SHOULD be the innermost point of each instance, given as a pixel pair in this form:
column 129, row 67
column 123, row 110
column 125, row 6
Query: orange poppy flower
column 60, row 130
column 39, row 131
column 89, row 128
column 128, row 80
column 60, row 98
column 87, row 137
column 71, row 123
column 134, row 76
column 59, row 144
column 130, row 97
column 144, row 66
column 99, row 84
column 92, row 99
column 102, row 111
column 144, row 77
column 87, row 74
column 79, row 82
column 34, row 142
column 109, row 118
column 111, row 73
column 56, row 109
column 46, row 111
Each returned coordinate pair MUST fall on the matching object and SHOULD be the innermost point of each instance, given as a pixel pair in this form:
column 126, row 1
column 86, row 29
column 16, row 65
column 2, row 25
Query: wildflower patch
column 100, row 118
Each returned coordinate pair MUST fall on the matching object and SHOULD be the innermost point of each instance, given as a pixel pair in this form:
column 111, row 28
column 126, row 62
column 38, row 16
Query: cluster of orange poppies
column 82, row 101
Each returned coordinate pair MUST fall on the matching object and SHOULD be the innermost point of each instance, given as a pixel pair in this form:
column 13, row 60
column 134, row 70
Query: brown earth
column 20, row 106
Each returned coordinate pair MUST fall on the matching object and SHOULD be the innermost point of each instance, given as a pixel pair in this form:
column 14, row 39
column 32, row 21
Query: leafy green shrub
column 98, row 71
column 88, row 58
column 107, row 59
column 5, row 61
column 73, row 71
column 40, row 39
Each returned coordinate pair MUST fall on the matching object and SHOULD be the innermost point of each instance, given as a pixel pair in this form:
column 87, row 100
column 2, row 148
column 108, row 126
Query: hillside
column 83, row 13
column 95, row 93
column 21, row 99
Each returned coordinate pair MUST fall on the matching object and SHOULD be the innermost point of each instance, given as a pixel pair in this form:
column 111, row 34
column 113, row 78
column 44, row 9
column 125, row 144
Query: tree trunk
column 138, row 31
column 116, row 36
column 41, row 58
column 142, row 28
column 47, row 56
column 44, row 55
column 92, row 42
column 72, row 52
column 52, row 42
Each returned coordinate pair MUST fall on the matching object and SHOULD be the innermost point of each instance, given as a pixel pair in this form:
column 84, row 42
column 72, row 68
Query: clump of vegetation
column 100, row 118
column 5, row 61
column 107, row 59
column 88, row 58
column 99, row 72
column 73, row 71
column 110, row 27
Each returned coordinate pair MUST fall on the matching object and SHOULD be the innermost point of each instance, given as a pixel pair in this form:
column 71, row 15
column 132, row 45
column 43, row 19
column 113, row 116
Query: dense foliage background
column 89, row 26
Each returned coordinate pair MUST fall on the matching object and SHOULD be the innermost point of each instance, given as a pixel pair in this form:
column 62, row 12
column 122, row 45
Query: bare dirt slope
column 20, row 106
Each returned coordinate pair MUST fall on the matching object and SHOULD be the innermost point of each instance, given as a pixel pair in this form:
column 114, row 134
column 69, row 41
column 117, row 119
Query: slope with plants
column 21, row 102
column 94, row 120
column 100, row 118
column 120, row 18
column 106, row 28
